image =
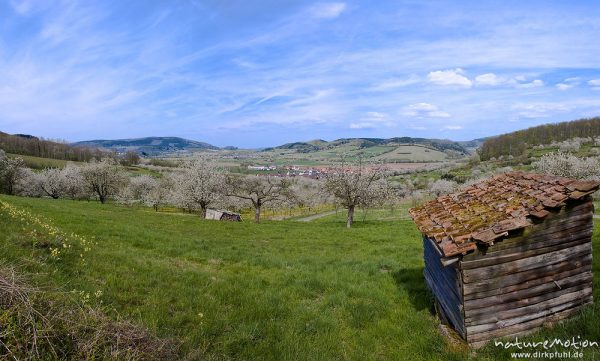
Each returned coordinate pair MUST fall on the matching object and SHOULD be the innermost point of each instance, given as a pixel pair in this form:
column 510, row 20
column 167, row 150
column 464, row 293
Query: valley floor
column 279, row 290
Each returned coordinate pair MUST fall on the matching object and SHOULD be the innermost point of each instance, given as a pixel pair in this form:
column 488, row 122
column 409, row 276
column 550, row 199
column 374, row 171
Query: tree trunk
column 350, row 217
column 257, row 214
column 102, row 198
column 257, row 206
column 203, row 211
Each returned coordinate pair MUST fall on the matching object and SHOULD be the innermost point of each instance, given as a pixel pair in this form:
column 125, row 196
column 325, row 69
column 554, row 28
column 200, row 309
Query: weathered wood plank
column 525, row 314
column 550, row 240
column 520, row 265
column 523, row 252
column 525, row 327
column 534, row 325
column 513, row 309
column 432, row 260
column 512, row 282
column 446, row 275
column 443, row 283
column 536, row 235
column 449, row 305
column 474, row 306
column 445, row 286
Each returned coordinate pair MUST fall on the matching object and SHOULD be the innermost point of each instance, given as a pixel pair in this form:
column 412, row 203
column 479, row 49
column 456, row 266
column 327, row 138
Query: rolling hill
column 364, row 143
column 518, row 142
column 148, row 145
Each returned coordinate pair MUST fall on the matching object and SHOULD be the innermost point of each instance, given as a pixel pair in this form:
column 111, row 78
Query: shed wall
column 541, row 275
column 444, row 283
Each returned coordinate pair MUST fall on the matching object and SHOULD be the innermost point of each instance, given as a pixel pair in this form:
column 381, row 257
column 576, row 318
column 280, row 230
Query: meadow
column 279, row 290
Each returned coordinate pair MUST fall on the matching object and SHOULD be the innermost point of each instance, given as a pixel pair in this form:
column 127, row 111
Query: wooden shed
column 219, row 215
column 509, row 255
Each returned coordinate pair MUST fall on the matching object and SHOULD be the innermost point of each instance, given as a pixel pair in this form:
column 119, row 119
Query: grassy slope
column 41, row 163
column 275, row 291
column 393, row 153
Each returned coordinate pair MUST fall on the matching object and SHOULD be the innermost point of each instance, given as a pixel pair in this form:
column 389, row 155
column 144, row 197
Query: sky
column 265, row 72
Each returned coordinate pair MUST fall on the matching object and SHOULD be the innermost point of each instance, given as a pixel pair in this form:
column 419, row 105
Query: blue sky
column 262, row 73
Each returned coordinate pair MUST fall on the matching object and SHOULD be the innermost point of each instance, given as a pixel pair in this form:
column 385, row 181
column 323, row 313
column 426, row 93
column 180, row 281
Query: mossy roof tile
column 488, row 210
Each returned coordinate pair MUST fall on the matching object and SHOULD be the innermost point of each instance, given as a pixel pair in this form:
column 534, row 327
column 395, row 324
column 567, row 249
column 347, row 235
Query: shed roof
column 487, row 210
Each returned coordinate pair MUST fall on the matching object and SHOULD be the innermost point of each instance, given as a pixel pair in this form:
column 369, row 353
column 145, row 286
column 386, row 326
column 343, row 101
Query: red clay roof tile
column 488, row 210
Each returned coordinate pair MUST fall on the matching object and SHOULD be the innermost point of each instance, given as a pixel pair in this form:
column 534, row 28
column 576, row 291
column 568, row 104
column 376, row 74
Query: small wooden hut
column 219, row 215
column 509, row 255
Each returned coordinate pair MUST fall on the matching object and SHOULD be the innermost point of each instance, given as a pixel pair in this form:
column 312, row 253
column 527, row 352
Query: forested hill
column 23, row 144
column 319, row 144
column 516, row 143
column 149, row 145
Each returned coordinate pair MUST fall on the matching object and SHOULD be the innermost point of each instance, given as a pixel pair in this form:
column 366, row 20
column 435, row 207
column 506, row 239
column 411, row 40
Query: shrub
column 567, row 165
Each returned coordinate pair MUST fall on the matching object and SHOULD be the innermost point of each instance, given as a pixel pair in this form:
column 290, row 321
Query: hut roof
column 486, row 211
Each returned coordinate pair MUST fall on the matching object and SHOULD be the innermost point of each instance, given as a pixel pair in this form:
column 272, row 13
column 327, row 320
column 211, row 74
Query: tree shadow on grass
column 412, row 281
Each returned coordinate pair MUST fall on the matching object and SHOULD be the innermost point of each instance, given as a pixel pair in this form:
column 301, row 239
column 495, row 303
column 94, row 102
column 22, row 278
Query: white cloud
column 439, row 114
column 534, row 84
column 564, row 86
column 395, row 83
column 453, row 127
column 488, row 79
column 373, row 120
column 449, row 77
column 568, row 83
column 22, row 6
column 594, row 82
column 541, row 110
column 328, row 10
column 424, row 110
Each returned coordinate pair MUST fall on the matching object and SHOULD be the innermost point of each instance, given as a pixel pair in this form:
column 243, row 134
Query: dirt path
column 315, row 216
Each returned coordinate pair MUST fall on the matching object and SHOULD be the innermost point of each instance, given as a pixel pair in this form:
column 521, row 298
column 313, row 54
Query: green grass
column 41, row 163
column 413, row 153
column 280, row 290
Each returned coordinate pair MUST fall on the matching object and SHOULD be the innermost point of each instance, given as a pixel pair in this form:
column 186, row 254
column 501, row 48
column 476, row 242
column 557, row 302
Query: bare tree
column 130, row 158
column 353, row 186
column 199, row 184
column 259, row 190
column 103, row 178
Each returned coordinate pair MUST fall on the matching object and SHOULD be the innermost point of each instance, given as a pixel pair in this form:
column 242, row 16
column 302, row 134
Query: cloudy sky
column 261, row 73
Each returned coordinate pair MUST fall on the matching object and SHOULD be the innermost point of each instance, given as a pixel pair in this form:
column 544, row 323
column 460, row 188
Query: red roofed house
column 505, row 256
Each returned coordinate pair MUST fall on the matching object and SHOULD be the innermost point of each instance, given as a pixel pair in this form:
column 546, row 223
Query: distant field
column 413, row 153
column 280, row 290
column 351, row 152
column 40, row 163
